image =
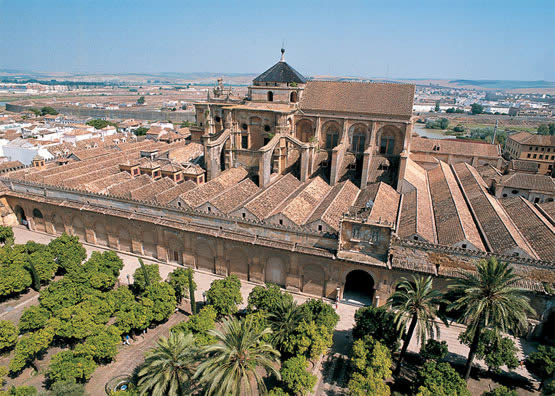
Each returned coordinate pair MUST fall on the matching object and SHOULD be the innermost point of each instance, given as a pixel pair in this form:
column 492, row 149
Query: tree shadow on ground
column 335, row 366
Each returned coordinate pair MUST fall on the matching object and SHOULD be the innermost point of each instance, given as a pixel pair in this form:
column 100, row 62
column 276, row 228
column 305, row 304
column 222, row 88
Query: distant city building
column 526, row 146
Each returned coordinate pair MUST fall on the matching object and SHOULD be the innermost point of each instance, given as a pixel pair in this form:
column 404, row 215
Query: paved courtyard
column 334, row 365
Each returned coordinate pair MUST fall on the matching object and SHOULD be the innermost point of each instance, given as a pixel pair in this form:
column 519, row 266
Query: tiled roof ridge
column 453, row 249
column 298, row 229
column 498, row 209
column 446, row 168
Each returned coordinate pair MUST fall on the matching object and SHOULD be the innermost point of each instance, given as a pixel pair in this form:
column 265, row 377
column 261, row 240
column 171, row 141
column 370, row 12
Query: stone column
column 408, row 137
column 304, row 164
column 367, row 160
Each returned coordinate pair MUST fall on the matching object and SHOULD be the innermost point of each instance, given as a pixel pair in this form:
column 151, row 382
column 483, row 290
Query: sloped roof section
column 534, row 227
column 527, row 181
column 359, row 97
column 281, row 72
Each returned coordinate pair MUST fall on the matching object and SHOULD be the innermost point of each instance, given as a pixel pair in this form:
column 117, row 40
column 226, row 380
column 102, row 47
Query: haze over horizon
column 499, row 40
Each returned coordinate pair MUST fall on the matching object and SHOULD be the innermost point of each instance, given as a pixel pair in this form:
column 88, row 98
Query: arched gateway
column 359, row 287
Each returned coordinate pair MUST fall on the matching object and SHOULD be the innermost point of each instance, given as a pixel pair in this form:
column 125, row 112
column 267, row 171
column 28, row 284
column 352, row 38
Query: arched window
column 332, row 137
column 359, row 140
column 37, row 214
column 270, row 96
column 293, row 97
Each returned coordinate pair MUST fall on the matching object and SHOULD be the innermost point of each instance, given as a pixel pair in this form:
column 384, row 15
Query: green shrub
column 67, row 366
column 146, row 274
column 180, row 279
column 501, row 391
column 434, row 350
column 321, row 313
column 371, row 365
column 8, row 334
column 225, row 295
column 33, row 318
column 295, row 376
column 439, row 379
column 6, row 234
column 378, row 323
column 266, row 298
column 199, row 324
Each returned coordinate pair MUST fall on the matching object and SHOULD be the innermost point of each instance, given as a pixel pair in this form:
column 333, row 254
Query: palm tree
column 232, row 362
column 168, row 369
column 416, row 301
column 490, row 299
column 283, row 322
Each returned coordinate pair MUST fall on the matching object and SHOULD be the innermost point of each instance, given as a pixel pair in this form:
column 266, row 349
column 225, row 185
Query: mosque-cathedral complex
column 318, row 186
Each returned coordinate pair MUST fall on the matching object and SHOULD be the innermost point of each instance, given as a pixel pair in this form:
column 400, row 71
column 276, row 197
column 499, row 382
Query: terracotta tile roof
column 148, row 192
column 385, row 205
column 501, row 234
column 452, row 146
column 358, row 97
column 407, row 220
column 186, row 153
column 82, row 179
column 309, row 195
column 171, row 167
column 489, row 173
column 196, row 197
column 548, row 208
column 124, row 189
column 173, row 193
column 533, row 139
column 9, row 165
column 524, row 166
column 148, row 164
column 536, row 229
column 454, row 223
column 235, row 196
column 336, row 203
column 263, row 203
column 527, row 181
column 417, row 177
column 102, row 185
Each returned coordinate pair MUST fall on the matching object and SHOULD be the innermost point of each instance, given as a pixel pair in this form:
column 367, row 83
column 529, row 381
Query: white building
column 24, row 151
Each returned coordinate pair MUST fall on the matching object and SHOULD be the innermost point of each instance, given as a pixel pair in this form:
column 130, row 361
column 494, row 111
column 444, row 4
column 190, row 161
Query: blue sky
column 397, row 39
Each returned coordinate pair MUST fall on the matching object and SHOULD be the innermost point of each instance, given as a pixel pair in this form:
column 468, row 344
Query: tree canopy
column 225, row 295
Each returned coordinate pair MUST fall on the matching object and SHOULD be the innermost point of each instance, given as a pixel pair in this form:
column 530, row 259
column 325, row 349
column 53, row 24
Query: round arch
column 38, row 220
column 358, row 137
column 390, row 140
column 78, row 228
column 204, row 255
column 275, row 271
column 124, row 241
column 238, row 263
column 58, row 223
column 176, row 251
column 359, row 287
column 304, row 130
column 314, row 278
column 149, row 244
column 331, row 134
column 100, row 234
column 20, row 214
